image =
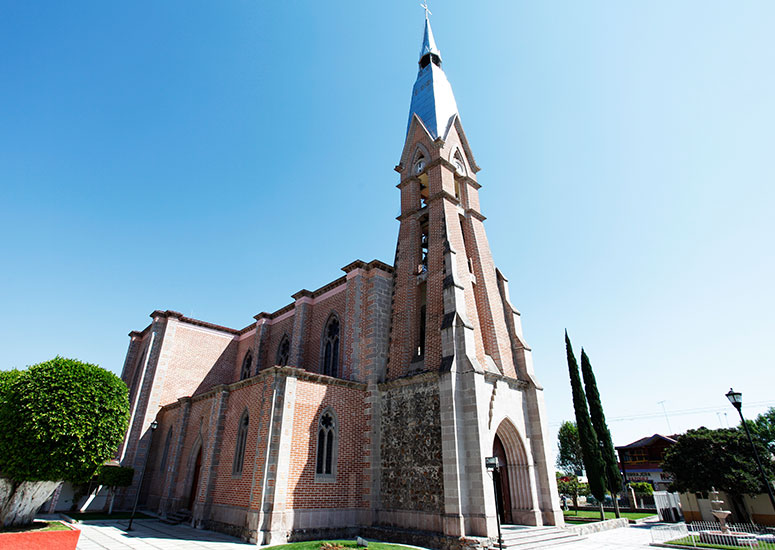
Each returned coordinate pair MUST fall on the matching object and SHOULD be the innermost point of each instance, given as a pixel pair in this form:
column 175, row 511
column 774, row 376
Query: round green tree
column 59, row 421
column 703, row 459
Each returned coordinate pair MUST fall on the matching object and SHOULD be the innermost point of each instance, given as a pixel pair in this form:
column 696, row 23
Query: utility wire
column 680, row 412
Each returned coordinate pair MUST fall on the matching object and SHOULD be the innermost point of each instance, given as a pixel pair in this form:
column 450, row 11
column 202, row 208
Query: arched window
column 331, row 347
column 247, row 363
column 419, row 167
column 460, row 170
column 283, row 351
column 166, row 451
column 327, row 452
column 239, row 450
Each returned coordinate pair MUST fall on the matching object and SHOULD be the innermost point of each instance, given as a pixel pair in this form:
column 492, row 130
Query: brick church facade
column 368, row 405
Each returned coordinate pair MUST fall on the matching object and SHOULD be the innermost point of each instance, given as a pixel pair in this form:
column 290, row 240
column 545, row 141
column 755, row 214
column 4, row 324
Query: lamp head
column 736, row 398
column 154, row 425
column 492, row 463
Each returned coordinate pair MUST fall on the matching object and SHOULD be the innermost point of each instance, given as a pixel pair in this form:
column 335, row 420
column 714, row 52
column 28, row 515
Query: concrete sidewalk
column 152, row 534
column 634, row 537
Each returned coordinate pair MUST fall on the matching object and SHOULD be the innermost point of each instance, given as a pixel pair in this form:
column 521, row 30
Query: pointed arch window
column 239, row 450
column 419, row 171
column 460, row 170
column 325, row 465
column 283, row 351
column 247, row 364
column 331, row 347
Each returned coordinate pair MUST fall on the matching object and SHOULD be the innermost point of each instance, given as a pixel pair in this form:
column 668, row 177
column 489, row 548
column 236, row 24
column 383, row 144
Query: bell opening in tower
column 423, row 268
column 422, row 299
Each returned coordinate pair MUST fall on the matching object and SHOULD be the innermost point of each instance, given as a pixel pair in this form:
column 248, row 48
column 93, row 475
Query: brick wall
column 347, row 490
column 235, row 490
column 201, row 358
column 320, row 312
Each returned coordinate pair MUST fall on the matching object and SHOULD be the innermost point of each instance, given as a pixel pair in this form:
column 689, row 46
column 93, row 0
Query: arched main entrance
column 515, row 495
column 502, row 490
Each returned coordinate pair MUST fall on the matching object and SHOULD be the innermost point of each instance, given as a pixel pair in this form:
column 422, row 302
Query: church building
column 365, row 407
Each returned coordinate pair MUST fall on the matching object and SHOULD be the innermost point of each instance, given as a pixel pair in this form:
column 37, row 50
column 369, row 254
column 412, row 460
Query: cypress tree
column 590, row 448
column 612, row 475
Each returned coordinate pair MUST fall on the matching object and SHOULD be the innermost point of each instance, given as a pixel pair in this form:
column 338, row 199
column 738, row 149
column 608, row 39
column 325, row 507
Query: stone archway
column 518, row 495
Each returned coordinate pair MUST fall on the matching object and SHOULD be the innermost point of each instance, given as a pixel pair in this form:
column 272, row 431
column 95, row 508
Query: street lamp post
column 493, row 464
column 736, row 398
column 153, row 427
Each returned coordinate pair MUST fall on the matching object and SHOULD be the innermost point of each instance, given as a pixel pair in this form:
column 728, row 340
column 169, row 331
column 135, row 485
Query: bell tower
column 456, row 335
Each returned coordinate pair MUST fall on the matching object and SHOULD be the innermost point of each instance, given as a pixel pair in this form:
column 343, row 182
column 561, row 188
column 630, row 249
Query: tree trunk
column 741, row 515
column 602, row 512
column 90, row 498
column 576, row 504
column 616, row 505
column 21, row 500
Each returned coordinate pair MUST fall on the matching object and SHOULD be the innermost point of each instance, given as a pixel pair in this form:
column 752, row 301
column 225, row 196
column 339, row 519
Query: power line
column 679, row 412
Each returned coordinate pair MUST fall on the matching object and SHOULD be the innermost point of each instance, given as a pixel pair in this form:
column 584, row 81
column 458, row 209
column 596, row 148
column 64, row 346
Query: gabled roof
column 647, row 441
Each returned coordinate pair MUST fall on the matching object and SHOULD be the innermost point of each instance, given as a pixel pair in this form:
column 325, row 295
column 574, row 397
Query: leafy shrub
column 642, row 488
column 60, row 420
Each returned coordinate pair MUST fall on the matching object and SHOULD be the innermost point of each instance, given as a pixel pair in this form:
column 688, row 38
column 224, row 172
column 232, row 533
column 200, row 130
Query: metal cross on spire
column 424, row 6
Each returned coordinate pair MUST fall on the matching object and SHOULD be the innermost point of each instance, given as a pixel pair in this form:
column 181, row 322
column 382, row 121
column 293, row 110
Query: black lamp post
column 493, row 464
column 736, row 398
column 153, row 427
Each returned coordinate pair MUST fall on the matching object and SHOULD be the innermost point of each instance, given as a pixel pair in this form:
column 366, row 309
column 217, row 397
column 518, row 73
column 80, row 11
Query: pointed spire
column 432, row 98
column 428, row 43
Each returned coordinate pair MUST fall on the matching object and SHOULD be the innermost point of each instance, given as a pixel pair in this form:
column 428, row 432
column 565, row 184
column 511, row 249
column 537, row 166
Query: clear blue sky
column 214, row 158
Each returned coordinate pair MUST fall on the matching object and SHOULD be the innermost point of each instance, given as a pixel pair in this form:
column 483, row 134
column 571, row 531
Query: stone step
column 510, row 533
column 177, row 517
column 526, row 539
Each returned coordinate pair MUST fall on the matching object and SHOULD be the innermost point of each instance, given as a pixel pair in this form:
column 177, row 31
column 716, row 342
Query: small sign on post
column 493, row 464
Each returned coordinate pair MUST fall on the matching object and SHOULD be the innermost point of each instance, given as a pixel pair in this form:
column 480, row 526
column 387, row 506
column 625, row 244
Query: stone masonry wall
column 411, row 446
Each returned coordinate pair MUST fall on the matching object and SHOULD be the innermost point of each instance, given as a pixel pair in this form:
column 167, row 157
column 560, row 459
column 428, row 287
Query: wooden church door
column 502, row 494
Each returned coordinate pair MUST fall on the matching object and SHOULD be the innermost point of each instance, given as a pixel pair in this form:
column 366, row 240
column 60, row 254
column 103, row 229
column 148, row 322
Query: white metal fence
column 707, row 533
column 668, row 506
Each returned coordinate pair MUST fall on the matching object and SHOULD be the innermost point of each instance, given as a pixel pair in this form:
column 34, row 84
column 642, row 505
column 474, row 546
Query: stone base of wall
column 298, row 535
column 426, row 539
column 226, row 528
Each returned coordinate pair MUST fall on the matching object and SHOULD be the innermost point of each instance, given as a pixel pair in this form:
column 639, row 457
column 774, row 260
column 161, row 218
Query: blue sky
column 215, row 158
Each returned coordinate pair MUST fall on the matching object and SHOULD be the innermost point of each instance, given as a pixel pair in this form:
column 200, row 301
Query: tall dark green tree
column 590, row 448
column 612, row 475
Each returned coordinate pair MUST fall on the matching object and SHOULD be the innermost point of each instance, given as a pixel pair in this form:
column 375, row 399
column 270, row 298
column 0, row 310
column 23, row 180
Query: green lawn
column 570, row 515
column 39, row 526
column 315, row 545
column 86, row 516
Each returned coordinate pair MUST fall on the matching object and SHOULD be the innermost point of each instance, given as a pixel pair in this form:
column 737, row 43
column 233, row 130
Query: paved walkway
column 151, row 534
column 634, row 537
